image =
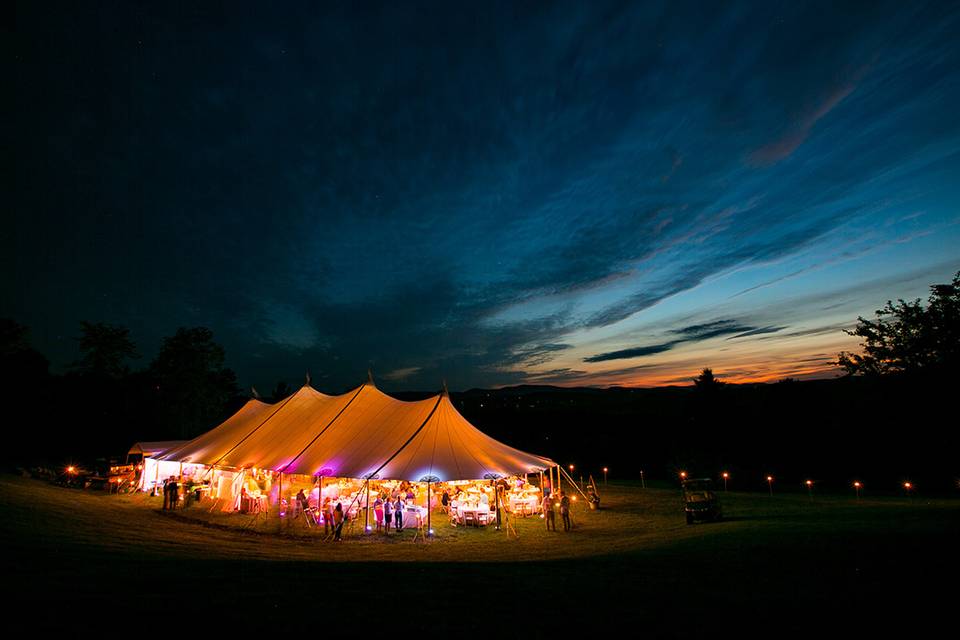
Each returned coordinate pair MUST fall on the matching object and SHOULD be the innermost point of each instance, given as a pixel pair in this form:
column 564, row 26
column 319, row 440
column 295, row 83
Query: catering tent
column 363, row 433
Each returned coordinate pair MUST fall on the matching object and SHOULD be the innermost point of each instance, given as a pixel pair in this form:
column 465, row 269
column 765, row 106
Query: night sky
column 580, row 194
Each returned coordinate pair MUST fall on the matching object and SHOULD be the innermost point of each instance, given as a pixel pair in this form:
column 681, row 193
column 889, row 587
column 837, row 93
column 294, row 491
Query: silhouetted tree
column 25, row 381
column 909, row 337
column 192, row 385
column 281, row 391
column 706, row 381
column 104, row 350
column 22, row 367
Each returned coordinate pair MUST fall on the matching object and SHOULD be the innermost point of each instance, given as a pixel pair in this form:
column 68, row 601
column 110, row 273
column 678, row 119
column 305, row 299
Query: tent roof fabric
column 362, row 433
column 151, row 449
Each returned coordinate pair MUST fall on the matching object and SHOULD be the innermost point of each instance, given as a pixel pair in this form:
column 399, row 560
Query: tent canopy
column 362, row 433
column 153, row 449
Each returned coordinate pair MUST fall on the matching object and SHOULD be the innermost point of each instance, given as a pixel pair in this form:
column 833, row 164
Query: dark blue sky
column 582, row 193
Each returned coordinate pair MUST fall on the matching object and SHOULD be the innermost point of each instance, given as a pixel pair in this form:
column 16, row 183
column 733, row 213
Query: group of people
column 333, row 516
column 550, row 516
column 388, row 510
column 171, row 493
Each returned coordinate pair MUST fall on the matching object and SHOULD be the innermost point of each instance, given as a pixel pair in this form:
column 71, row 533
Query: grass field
column 775, row 567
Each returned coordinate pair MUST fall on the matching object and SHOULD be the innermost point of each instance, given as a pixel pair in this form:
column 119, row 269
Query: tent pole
column 366, row 512
column 280, row 498
column 320, row 499
column 428, row 509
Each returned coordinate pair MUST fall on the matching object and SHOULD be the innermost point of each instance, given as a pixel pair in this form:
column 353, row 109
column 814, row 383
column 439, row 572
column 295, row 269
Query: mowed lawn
column 776, row 566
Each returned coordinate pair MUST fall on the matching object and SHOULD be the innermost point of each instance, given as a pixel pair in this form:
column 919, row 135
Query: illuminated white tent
column 361, row 434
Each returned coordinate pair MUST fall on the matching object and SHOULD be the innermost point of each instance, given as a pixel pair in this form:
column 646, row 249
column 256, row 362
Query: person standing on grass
column 445, row 502
column 378, row 512
column 548, row 515
column 398, row 513
column 387, row 514
column 565, row 510
column 337, row 522
column 328, row 515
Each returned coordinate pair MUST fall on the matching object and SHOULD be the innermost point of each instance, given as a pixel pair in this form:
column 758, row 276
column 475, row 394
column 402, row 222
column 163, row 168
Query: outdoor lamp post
column 907, row 486
column 683, row 476
column 809, row 484
column 643, row 483
column 770, row 485
column 605, row 476
column 726, row 476
column 856, row 488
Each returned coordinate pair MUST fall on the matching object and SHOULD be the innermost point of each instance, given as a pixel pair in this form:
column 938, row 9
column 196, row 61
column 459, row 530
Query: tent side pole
column 366, row 512
column 428, row 509
column 575, row 485
column 280, row 498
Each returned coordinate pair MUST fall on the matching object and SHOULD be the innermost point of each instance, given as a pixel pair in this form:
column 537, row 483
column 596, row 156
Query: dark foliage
column 104, row 350
column 191, row 382
column 907, row 337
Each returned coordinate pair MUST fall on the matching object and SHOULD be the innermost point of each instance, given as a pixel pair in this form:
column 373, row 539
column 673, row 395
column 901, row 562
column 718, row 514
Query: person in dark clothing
column 565, row 511
column 398, row 513
column 338, row 522
column 174, row 493
column 445, row 502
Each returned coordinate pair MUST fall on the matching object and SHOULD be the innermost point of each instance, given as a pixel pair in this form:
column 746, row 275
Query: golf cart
column 701, row 503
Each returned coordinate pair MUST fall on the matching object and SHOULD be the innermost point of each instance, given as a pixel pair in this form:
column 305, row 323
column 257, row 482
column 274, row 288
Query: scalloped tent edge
column 363, row 433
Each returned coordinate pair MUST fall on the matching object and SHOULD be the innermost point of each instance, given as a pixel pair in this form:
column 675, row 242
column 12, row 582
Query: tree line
column 102, row 403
